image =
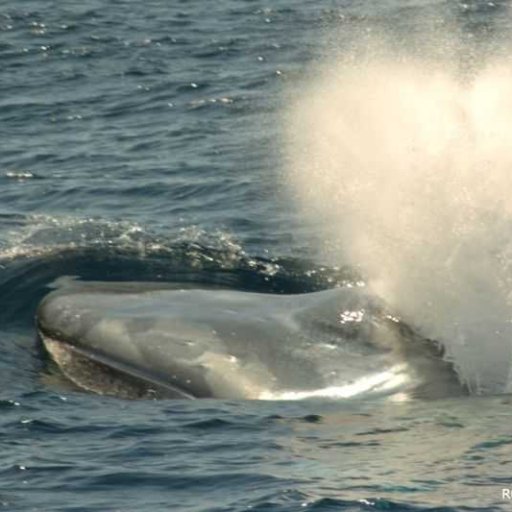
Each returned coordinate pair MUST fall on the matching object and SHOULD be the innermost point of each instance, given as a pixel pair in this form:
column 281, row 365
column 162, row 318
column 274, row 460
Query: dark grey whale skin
column 203, row 343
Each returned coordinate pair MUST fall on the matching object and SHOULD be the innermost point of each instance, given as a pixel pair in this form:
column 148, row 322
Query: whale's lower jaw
column 93, row 373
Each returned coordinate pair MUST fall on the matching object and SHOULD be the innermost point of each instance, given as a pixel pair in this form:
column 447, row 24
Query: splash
column 406, row 162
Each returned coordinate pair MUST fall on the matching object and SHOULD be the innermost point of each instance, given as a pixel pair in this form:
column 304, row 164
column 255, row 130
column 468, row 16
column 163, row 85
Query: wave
column 40, row 249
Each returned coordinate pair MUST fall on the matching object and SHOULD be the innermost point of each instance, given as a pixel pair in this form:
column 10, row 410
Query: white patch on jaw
column 383, row 382
column 222, row 370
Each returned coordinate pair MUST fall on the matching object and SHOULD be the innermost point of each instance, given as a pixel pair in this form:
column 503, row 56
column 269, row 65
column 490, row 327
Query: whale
column 169, row 340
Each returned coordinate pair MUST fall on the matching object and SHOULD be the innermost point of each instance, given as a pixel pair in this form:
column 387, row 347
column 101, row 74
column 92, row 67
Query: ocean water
column 201, row 142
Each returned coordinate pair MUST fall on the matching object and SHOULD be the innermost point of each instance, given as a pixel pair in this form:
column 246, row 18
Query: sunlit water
column 285, row 147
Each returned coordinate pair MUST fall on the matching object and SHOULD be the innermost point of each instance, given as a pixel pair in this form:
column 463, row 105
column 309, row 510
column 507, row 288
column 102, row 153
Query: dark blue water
column 143, row 141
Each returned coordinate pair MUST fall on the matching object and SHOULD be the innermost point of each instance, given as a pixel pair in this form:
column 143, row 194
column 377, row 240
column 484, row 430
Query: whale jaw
column 87, row 372
column 144, row 340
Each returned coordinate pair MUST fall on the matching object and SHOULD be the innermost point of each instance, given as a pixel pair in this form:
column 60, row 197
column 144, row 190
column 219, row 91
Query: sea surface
column 143, row 141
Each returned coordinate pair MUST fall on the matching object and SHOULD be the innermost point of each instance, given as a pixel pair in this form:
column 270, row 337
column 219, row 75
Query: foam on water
column 406, row 161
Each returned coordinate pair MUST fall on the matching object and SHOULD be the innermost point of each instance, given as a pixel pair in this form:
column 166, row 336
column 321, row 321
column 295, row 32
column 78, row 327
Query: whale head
column 155, row 340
